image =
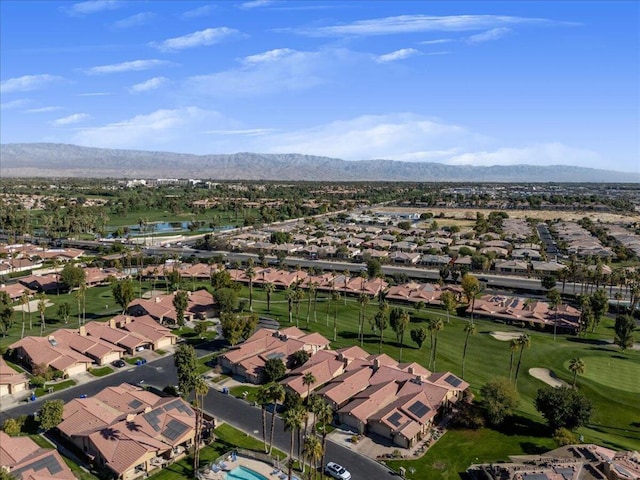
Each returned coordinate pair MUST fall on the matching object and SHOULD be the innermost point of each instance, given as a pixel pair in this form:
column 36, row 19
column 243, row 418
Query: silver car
column 337, row 471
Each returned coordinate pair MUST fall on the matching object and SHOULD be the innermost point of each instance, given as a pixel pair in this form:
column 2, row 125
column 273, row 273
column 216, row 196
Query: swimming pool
column 244, row 473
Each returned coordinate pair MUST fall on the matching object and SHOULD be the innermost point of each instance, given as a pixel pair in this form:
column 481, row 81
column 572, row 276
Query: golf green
column 619, row 373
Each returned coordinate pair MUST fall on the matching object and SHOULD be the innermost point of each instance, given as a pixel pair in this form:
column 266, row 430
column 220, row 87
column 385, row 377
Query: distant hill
column 60, row 160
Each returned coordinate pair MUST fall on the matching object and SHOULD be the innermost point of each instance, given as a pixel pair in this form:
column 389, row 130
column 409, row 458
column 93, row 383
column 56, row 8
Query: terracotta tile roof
column 342, row 388
column 27, row 461
column 40, row 350
column 117, row 336
column 8, row 376
column 370, row 400
column 323, row 371
column 15, row 290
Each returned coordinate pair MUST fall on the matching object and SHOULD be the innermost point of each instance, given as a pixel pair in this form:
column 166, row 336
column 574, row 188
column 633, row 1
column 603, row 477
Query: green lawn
column 458, row 449
column 101, row 372
column 615, row 372
column 203, row 361
column 238, row 392
column 613, row 423
column 132, row 361
column 55, row 386
column 234, row 437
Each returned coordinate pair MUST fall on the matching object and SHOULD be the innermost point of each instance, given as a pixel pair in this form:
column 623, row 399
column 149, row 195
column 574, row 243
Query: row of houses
column 74, row 351
column 368, row 393
column 129, row 431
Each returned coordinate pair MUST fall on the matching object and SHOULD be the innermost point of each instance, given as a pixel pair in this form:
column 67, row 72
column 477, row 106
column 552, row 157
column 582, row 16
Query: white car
column 337, row 471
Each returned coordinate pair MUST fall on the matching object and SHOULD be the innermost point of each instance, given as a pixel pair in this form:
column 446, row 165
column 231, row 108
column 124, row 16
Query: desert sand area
column 547, row 376
column 469, row 214
column 505, row 336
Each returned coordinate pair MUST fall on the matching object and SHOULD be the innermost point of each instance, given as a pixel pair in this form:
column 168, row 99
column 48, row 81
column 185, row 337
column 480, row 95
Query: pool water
column 244, row 473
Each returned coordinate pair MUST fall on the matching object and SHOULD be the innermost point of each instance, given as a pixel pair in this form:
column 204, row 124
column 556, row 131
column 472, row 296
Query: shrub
column 11, row 427
column 38, row 381
column 563, row 436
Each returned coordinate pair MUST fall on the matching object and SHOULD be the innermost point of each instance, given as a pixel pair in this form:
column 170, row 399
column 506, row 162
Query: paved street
column 237, row 413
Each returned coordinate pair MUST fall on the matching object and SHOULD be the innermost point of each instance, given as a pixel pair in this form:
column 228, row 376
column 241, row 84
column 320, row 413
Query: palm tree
column 83, row 292
column 201, row 390
column 25, row 301
column 311, row 292
column 250, row 273
column 324, row 413
column 335, row 297
column 577, row 366
column 363, row 300
column 292, row 419
column 42, row 306
column 298, row 295
column 554, row 302
column 513, row 347
column 262, row 399
column 469, row 329
column 276, row 395
column 402, row 325
column 523, row 342
column 308, row 380
column 269, row 288
column 346, row 276
column 313, row 451
column 435, row 325
column 290, row 296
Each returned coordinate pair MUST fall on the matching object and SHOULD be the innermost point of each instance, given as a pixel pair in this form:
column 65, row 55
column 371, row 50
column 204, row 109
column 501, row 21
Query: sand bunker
column 547, row 376
column 505, row 336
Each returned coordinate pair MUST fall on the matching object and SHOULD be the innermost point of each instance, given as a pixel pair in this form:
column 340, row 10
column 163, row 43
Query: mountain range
column 62, row 160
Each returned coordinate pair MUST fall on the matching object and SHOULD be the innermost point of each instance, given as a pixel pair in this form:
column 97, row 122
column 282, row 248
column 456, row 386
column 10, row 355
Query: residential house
column 24, row 459
column 34, row 351
column 11, row 381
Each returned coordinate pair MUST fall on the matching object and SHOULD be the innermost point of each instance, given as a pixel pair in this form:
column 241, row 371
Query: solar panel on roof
column 395, row 419
column 453, row 380
column 49, row 462
column 135, row 403
column 174, row 430
column 419, row 409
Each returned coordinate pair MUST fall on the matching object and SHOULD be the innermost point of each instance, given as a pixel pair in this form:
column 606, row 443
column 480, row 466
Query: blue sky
column 481, row 83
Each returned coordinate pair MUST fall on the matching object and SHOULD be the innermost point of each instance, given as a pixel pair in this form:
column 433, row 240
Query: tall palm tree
column 402, row 326
column 324, row 414
column 554, row 303
column 313, row 451
column 290, row 296
column 524, row 341
column 513, row 347
column 42, row 306
column 335, row 297
column 292, row 419
column 435, row 325
column 269, row 288
column 311, row 292
column 577, row 366
column 250, row 273
column 201, row 389
column 346, row 276
column 469, row 329
column 83, row 292
column 308, row 380
column 363, row 300
column 298, row 295
column 25, row 301
column 262, row 399
column 276, row 395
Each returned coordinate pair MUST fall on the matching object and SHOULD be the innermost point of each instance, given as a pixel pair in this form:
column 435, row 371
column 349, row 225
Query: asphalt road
column 237, row 413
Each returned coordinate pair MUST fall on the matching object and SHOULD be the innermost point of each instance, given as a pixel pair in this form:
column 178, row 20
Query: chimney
column 83, row 331
column 158, row 299
column 411, row 370
column 112, row 323
column 130, row 417
column 376, row 364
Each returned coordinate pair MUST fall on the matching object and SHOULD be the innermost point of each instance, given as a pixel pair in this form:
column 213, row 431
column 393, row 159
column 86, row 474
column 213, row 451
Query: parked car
column 118, row 363
column 337, row 471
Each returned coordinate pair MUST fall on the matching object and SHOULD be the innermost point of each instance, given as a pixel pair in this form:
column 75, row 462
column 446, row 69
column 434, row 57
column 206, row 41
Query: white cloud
column 249, row 132
column 393, row 136
column 43, row 109
column 27, row 83
column 489, row 35
column 92, row 6
column 271, row 72
column 437, row 41
column 541, row 154
column 135, row 20
column 425, row 23
column 135, row 65
column 20, row 102
column 256, row 4
column 151, row 131
column 151, row 84
column 209, row 36
column 68, row 120
column 199, row 12
column 397, row 55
